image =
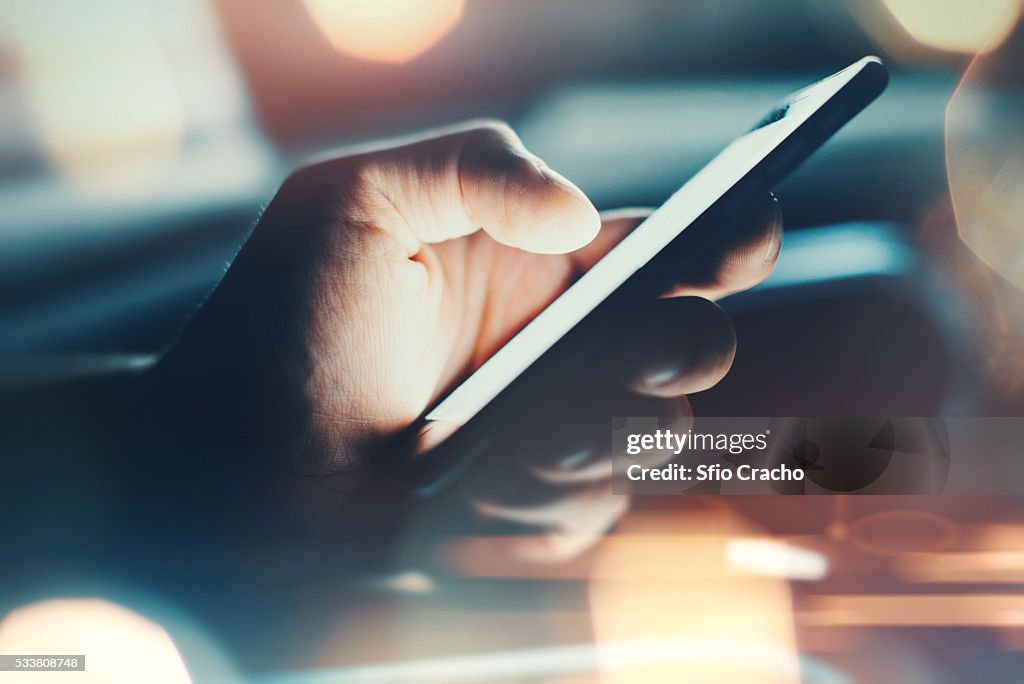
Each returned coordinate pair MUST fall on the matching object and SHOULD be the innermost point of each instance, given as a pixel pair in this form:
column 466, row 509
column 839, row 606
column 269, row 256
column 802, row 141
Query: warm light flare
column 985, row 168
column 993, row 555
column 119, row 645
column 774, row 558
column 1000, row 537
column 955, row 25
column 985, row 164
column 918, row 610
column 674, row 584
column 102, row 94
column 392, row 31
column 962, row 568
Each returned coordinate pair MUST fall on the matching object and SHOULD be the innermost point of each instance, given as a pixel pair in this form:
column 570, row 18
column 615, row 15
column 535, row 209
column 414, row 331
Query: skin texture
column 377, row 281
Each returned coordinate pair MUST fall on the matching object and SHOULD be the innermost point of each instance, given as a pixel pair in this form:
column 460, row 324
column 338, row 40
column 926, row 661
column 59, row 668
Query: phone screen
column 637, row 249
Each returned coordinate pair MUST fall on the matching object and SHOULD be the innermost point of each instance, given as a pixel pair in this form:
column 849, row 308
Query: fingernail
column 573, row 460
column 661, row 379
column 485, row 509
column 775, row 237
column 557, row 178
column 553, row 176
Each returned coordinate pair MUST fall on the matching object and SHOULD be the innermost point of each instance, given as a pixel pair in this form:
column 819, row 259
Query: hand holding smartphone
column 524, row 384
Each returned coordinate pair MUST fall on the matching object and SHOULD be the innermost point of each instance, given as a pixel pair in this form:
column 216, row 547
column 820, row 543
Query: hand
column 375, row 282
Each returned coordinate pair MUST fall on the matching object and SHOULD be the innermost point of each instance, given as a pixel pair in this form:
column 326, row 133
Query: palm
column 425, row 333
column 445, row 312
column 501, row 289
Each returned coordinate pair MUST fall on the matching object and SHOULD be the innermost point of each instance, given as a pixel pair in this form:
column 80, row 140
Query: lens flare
column 954, row 25
column 102, row 93
column 392, row 31
column 918, row 610
column 671, row 579
column 119, row 645
column 985, row 163
column 985, row 168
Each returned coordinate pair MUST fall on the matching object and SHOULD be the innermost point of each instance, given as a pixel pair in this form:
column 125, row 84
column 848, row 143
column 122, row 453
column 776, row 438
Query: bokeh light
column 985, row 168
column 667, row 579
column 985, row 162
column 100, row 88
column 955, row 25
column 119, row 645
column 391, row 31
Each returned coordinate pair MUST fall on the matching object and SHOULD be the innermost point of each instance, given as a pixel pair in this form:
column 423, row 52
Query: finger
column 569, row 523
column 746, row 259
column 479, row 177
column 570, row 449
column 677, row 346
column 567, row 442
column 591, row 460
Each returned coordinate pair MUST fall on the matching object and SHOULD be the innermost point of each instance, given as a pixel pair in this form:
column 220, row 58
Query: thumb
column 482, row 178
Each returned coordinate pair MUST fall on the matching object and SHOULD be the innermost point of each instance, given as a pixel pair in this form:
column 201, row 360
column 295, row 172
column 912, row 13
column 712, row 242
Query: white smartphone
column 548, row 356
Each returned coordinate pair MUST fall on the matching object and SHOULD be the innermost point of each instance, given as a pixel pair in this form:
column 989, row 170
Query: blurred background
column 139, row 140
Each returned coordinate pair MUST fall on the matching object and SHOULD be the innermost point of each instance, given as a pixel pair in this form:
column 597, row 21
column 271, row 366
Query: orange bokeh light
column 392, row 31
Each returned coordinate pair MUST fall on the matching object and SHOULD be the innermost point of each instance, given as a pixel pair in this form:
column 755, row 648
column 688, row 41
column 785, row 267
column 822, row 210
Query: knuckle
column 321, row 185
column 490, row 144
column 491, row 131
column 595, row 470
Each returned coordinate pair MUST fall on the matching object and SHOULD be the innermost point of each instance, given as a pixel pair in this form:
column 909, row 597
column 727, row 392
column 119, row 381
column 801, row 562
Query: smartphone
column 548, row 360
